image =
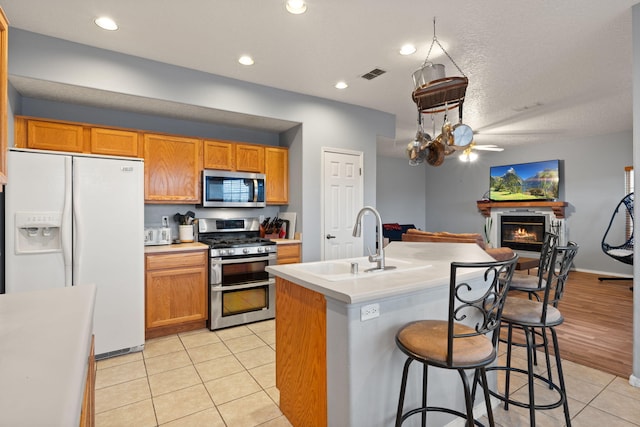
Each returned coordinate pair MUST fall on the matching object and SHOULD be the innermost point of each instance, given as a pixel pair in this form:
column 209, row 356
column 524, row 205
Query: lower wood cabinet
column 175, row 292
column 88, row 414
column 289, row 253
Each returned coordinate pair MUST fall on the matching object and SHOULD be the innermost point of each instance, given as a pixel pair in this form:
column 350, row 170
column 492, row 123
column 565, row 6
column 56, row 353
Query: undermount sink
column 341, row 269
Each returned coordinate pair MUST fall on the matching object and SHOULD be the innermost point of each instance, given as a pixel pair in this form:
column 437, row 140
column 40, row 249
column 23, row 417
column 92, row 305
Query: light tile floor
column 227, row 378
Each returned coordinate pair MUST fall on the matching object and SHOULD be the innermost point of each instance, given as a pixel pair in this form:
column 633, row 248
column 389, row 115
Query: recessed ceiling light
column 106, row 23
column 342, row 85
column 245, row 60
column 296, row 6
column 407, row 49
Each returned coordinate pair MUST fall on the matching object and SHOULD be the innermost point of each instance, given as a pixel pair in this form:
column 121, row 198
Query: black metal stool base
column 510, row 401
column 530, row 332
column 438, row 409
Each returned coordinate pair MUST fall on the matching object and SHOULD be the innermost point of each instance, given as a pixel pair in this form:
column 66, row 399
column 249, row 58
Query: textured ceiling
column 538, row 71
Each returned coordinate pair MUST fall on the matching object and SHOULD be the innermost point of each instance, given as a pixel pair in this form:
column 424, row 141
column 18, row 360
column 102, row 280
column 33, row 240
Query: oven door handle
column 272, row 256
column 220, row 288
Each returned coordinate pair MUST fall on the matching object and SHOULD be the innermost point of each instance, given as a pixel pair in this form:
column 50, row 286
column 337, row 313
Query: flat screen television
column 525, row 181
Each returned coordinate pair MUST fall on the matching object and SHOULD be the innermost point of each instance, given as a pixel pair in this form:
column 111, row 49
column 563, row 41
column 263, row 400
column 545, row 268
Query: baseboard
column 603, row 273
column 634, row 381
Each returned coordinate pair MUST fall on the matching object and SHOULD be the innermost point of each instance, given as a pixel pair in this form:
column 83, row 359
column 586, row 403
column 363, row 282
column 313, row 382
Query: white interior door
column 342, row 198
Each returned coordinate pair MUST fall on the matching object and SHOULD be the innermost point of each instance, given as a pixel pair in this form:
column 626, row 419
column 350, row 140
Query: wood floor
column 598, row 323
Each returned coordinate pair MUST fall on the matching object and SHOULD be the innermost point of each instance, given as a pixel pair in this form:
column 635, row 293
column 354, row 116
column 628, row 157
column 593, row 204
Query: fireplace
column 522, row 232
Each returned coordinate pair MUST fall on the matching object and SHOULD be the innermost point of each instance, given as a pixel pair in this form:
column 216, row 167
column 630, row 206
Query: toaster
column 157, row 236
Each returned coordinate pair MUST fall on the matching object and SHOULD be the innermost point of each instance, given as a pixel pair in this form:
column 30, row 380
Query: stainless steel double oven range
column 240, row 289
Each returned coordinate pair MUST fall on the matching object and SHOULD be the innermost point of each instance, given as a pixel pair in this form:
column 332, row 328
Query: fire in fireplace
column 522, row 232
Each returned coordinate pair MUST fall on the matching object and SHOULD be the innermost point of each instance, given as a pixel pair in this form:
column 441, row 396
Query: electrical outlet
column 369, row 311
column 165, row 221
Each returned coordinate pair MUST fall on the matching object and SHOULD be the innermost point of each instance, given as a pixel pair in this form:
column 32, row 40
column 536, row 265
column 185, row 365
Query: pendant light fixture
column 436, row 93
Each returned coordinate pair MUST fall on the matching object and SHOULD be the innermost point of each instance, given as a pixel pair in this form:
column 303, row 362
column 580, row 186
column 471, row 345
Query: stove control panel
column 243, row 251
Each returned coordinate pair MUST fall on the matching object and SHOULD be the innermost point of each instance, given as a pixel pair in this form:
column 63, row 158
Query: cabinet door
column 113, row 142
column 175, row 296
column 43, row 135
column 288, row 253
column 277, row 175
column 4, row 126
column 250, row 158
column 219, row 155
column 172, row 169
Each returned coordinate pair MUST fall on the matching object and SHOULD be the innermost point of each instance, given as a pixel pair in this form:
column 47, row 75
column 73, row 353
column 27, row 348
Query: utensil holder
column 185, row 233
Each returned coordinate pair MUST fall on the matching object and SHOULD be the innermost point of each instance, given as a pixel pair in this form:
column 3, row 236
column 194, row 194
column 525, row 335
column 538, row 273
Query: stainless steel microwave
column 221, row 189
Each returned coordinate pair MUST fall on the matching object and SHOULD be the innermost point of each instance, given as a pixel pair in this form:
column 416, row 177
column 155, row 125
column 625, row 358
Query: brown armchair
column 413, row 235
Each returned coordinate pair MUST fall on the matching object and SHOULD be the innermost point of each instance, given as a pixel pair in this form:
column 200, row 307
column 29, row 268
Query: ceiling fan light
column 468, row 156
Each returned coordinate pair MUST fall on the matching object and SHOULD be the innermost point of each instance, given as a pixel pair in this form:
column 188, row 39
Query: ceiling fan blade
column 488, row 148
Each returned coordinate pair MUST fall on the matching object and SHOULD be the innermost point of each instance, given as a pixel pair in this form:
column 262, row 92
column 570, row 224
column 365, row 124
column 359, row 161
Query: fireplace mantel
column 484, row 206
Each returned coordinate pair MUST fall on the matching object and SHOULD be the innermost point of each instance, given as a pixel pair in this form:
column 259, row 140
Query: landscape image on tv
column 525, row 181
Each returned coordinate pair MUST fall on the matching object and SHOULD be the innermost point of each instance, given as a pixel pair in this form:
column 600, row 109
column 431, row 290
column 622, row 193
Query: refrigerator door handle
column 77, row 232
column 67, row 254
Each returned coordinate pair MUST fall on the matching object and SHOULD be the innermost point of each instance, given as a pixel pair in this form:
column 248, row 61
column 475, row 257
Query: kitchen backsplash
column 153, row 213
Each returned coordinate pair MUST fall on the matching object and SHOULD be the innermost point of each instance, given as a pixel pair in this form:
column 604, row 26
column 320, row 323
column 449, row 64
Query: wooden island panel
column 301, row 354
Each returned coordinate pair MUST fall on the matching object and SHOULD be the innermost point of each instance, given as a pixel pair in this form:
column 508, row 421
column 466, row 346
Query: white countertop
column 420, row 265
column 175, row 247
column 45, row 341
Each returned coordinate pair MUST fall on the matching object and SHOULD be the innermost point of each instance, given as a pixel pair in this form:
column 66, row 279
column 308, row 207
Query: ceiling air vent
column 376, row 72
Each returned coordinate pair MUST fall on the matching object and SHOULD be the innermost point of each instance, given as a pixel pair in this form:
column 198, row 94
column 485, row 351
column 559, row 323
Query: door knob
column 329, row 236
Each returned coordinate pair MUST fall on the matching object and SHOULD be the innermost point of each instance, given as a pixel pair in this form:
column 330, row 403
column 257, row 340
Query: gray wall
column 401, row 192
column 325, row 123
column 592, row 184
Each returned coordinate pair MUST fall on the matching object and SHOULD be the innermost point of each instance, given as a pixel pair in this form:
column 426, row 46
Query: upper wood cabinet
column 173, row 164
column 4, row 57
column 219, row 155
column 172, row 169
column 276, row 161
column 46, row 135
column 42, row 134
column 114, row 142
column 250, row 158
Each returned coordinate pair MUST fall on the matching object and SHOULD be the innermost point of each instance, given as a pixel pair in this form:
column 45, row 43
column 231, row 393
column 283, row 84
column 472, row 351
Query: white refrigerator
column 73, row 220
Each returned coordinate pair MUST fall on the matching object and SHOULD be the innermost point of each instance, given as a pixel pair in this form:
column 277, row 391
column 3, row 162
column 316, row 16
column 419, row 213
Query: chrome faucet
column 378, row 258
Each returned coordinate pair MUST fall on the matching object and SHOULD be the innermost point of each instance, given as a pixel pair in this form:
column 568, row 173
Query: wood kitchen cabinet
column 49, row 135
column 219, row 155
column 88, row 414
column 115, row 142
column 175, row 292
column 289, row 253
column 250, row 158
column 172, row 169
column 74, row 137
column 276, row 161
column 4, row 126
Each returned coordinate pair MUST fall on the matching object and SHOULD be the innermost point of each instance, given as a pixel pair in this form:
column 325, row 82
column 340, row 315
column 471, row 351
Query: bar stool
column 534, row 284
column 538, row 316
column 451, row 344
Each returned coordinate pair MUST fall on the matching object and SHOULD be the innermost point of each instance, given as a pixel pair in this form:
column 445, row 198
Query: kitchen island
column 337, row 363
column 46, row 357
